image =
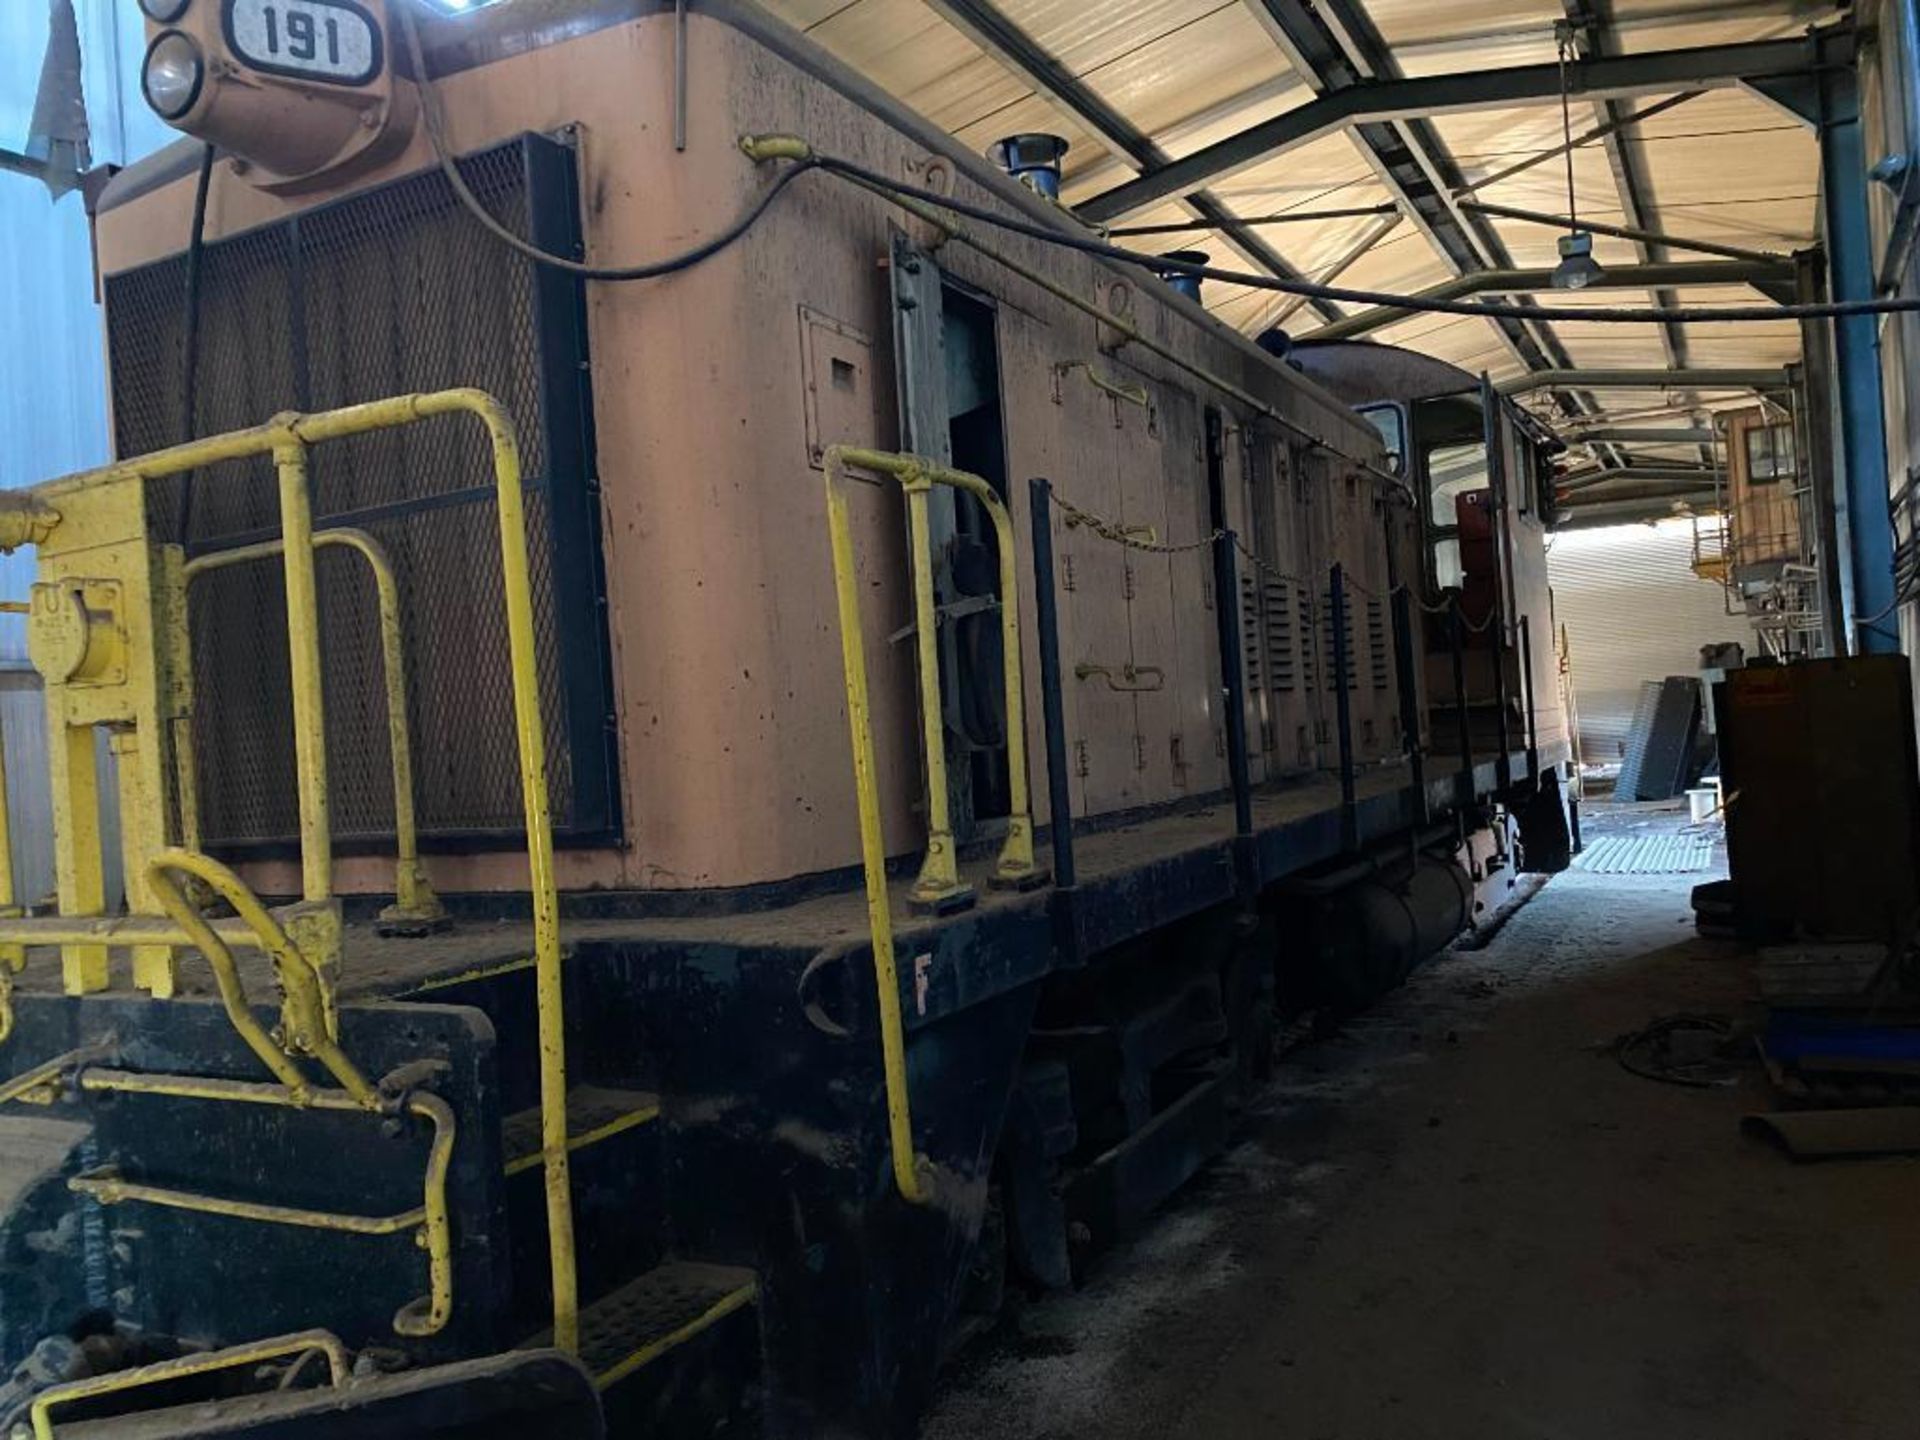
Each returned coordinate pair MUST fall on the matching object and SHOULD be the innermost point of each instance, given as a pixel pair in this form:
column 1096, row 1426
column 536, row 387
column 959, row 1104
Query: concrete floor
column 1457, row 1219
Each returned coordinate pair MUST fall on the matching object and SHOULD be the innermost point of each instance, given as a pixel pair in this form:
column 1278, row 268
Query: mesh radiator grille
column 392, row 290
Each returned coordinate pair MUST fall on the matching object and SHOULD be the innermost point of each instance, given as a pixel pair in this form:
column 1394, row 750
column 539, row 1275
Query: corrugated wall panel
column 53, row 390
column 1634, row 611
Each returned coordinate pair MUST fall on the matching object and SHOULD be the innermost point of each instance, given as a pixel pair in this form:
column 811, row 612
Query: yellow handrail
column 310, row 1025
column 939, row 876
column 305, row 1343
column 27, row 519
column 414, row 900
column 427, row 1316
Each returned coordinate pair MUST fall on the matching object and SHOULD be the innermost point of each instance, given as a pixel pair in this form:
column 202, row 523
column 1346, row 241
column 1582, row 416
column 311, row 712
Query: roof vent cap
column 1033, row 160
column 1186, row 283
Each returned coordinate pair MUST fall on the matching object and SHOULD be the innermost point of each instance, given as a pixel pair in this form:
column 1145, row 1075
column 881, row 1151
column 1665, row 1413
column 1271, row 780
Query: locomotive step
column 594, row 1113
column 651, row 1315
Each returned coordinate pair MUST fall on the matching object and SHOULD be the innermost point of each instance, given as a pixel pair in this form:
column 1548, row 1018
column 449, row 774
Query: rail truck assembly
column 675, row 766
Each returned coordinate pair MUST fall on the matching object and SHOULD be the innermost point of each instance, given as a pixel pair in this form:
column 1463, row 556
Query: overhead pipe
column 1665, row 473
column 1626, row 435
column 1664, row 275
column 1685, row 379
column 1681, row 491
column 1634, row 511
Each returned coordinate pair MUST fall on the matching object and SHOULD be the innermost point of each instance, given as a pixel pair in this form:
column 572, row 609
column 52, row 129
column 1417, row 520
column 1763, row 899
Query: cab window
column 1452, row 471
column 1391, row 422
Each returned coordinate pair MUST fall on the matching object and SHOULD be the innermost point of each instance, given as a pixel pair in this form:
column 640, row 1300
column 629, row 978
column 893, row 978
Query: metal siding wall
column 53, row 405
column 1634, row 611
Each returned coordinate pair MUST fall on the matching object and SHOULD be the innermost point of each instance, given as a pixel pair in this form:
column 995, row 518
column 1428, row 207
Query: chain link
column 1446, row 607
column 1120, row 535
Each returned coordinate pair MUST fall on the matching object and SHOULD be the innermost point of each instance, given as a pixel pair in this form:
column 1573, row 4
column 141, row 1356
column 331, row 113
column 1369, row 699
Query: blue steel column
column 1052, row 714
column 1856, row 349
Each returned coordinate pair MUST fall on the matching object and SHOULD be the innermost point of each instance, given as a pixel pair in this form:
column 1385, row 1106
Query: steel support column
column 1867, row 532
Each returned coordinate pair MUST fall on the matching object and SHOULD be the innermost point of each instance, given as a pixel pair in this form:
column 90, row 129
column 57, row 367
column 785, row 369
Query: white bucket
column 1702, row 803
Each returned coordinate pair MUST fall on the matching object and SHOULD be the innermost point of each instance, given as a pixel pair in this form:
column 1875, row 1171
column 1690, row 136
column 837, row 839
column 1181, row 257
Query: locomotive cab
column 1478, row 468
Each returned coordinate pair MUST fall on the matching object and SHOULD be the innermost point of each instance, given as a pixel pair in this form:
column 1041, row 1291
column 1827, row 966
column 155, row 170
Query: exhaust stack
column 1187, row 285
column 1033, row 160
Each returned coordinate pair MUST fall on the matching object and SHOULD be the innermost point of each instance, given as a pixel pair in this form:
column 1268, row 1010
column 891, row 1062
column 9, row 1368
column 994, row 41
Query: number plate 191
column 331, row 40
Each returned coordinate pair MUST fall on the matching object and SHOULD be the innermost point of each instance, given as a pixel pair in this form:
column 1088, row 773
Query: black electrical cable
column 190, row 336
column 1415, row 304
column 443, row 154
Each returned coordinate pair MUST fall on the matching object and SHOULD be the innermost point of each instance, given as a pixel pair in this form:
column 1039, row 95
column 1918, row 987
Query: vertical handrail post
column 1497, row 654
column 1402, row 614
column 910, row 1174
column 549, row 988
column 303, row 650
column 1457, row 640
column 1233, row 679
column 1046, row 602
column 938, row 887
column 1343, row 702
column 1014, row 868
column 1526, row 680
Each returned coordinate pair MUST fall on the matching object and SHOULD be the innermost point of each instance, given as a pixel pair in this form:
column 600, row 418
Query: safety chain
column 1445, row 607
column 1120, row 535
column 1130, row 539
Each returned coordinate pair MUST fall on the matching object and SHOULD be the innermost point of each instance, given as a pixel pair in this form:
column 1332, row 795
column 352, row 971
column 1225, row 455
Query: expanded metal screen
column 392, row 290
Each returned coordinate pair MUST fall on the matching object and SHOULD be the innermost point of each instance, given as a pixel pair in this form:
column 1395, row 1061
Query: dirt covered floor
column 1460, row 1217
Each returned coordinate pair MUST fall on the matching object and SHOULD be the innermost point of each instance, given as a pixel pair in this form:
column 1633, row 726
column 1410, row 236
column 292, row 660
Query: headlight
column 165, row 11
column 172, row 74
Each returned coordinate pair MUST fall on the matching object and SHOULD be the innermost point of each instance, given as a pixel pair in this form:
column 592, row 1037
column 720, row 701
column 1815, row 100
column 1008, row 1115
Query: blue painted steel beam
column 1868, row 532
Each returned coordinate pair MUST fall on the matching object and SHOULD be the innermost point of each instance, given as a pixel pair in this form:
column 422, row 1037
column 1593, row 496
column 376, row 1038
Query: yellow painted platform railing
column 414, row 903
column 307, row 1342
column 939, row 879
column 430, row 1220
column 32, row 517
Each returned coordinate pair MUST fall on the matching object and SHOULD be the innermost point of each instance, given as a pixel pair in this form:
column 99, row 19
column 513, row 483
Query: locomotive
column 688, row 742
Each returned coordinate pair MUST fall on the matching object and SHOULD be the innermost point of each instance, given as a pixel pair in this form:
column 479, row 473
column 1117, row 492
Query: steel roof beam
column 1629, row 232
column 1635, row 512
column 1336, row 48
column 1663, row 278
column 994, row 33
column 1648, row 380
column 1665, row 475
column 1626, row 435
column 1380, row 100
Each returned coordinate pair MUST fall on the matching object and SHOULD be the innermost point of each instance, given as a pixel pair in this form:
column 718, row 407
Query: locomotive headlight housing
column 164, row 12
column 173, row 74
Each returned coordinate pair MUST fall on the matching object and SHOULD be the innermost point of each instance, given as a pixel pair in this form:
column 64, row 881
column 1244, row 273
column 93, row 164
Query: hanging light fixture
column 1577, row 268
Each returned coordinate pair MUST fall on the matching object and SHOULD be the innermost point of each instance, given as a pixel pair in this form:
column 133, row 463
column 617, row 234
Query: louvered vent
column 1250, row 634
column 1377, row 642
column 1327, row 637
column 1282, row 653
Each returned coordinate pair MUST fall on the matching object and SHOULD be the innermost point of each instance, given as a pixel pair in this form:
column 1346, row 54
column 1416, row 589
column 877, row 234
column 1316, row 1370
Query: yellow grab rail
column 307, row 1342
column 431, row 1218
column 310, row 1025
column 939, row 873
column 415, row 904
column 30, row 518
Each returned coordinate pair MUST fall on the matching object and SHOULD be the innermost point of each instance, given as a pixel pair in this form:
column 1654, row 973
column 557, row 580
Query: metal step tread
column 648, row 1316
column 594, row 1113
